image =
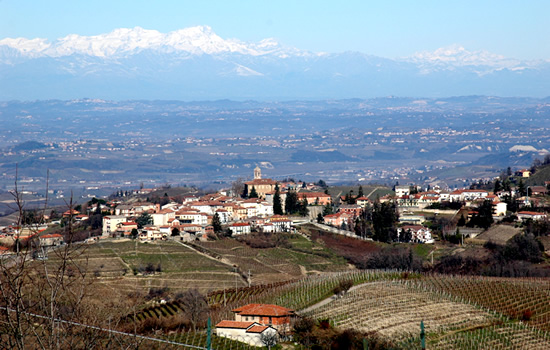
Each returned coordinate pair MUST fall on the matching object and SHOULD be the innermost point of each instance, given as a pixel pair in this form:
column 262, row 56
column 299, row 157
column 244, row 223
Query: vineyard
column 394, row 310
column 458, row 312
column 522, row 299
column 302, row 293
column 272, row 265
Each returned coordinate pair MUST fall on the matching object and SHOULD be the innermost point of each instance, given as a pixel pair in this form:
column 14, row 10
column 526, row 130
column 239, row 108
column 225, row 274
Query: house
column 538, row 190
column 280, row 223
column 151, row 233
column 125, row 228
column 70, row 213
column 81, row 217
column 51, row 240
column 419, row 233
column 161, row 218
column 315, row 198
column 500, row 208
column 523, row 173
column 411, row 218
column 467, row 195
column 363, row 201
column 110, row 223
column 402, row 191
column 276, row 316
column 533, row 215
column 224, row 215
column 337, row 219
column 351, row 209
column 240, row 228
column 246, row 332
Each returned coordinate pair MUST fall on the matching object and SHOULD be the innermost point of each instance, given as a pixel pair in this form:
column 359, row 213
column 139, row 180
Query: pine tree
column 360, row 192
column 327, row 209
column 497, row 187
column 216, row 223
column 253, row 193
column 461, row 221
column 291, row 202
column 521, row 187
column 302, row 209
column 320, row 218
column 277, row 205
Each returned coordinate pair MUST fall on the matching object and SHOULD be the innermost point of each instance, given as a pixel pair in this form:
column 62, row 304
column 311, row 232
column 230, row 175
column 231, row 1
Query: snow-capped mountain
column 124, row 41
column 196, row 63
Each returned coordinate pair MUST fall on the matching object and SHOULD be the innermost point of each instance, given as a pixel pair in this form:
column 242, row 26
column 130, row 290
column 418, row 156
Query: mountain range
column 196, row 64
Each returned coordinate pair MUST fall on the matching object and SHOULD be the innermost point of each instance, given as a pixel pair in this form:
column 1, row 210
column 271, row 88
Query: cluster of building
column 192, row 218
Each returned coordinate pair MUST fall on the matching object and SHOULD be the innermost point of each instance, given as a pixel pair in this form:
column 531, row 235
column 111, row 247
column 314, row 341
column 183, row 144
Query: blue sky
column 384, row 28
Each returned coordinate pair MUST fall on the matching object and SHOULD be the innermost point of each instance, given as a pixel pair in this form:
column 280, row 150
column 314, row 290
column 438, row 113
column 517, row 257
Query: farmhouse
column 533, row 215
column 51, row 240
column 247, row 332
column 266, row 314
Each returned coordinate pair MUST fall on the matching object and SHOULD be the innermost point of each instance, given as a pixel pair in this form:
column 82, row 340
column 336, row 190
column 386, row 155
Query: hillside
column 539, row 177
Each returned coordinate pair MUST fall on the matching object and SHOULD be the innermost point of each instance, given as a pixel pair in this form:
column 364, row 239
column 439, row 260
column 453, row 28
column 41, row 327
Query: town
column 256, row 212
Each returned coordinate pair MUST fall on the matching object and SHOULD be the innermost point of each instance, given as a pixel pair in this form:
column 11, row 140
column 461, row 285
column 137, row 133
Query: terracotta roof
column 256, row 329
column 55, row 235
column 261, row 182
column 235, row 324
column 533, row 213
column 263, row 310
column 312, row 194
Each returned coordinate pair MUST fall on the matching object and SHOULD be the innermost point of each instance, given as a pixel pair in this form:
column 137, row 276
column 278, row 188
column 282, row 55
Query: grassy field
column 120, row 266
column 271, row 265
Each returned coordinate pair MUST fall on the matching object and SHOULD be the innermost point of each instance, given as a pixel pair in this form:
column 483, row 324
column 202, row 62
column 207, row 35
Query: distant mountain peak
column 457, row 56
column 123, row 41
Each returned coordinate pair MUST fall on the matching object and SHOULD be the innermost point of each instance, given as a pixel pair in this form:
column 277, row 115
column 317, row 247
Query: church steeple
column 257, row 173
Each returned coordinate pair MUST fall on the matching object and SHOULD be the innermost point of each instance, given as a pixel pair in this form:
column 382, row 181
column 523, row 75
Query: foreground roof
column 263, row 310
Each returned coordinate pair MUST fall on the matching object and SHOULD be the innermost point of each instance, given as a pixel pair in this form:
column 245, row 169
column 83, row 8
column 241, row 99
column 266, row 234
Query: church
column 261, row 186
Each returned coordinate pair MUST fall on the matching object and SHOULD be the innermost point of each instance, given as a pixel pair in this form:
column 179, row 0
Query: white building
column 419, row 234
column 240, row 228
column 110, row 223
column 246, row 332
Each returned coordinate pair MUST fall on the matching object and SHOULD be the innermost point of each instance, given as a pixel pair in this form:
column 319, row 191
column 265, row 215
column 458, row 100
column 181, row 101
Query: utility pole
column 422, row 335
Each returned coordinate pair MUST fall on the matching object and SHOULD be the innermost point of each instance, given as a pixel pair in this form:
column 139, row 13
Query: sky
column 386, row 28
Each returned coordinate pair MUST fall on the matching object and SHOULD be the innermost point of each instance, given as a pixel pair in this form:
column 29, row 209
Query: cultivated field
column 273, row 265
column 458, row 312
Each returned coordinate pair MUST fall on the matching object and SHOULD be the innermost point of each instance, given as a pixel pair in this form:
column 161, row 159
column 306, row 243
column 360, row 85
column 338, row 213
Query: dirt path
column 222, row 260
column 331, row 298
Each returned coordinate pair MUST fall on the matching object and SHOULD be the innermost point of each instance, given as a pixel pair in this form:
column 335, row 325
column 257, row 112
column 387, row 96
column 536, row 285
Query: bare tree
column 269, row 339
column 194, row 306
column 42, row 303
column 237, row 187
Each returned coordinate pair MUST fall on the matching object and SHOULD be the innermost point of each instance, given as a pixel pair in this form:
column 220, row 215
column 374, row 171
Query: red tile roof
column 54, row 235
column 257, row 329
column 234, row 324
column 263, row 310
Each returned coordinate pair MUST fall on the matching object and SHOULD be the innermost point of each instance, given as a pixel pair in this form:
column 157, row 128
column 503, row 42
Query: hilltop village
column 265, row 205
